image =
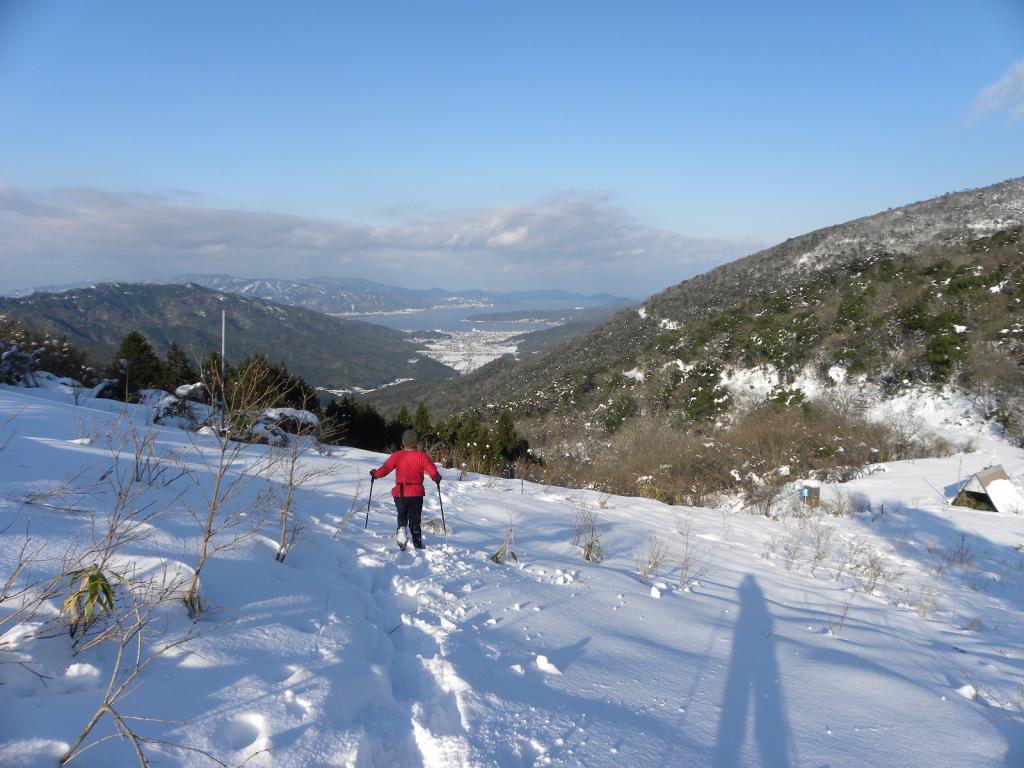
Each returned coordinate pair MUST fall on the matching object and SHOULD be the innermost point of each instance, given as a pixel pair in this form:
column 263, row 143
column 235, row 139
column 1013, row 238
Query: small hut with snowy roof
column 990, row 489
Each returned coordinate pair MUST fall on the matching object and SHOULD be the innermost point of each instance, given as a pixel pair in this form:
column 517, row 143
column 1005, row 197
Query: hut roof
column 994, row 483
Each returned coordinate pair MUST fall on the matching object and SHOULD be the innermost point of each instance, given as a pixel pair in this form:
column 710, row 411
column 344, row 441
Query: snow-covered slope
column 888, row 638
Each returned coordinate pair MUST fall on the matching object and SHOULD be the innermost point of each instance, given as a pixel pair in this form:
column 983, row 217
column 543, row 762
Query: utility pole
column 223, row 329
column 223, row 383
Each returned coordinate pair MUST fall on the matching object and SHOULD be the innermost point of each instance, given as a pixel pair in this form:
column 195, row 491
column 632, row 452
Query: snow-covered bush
column 18, row 362
column 171, row 410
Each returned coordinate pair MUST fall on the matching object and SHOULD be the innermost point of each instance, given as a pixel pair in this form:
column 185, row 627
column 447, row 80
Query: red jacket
column 411, row 465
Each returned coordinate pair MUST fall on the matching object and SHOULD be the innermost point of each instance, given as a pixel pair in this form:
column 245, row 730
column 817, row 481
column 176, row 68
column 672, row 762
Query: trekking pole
column 368, row 500
column 440, row 501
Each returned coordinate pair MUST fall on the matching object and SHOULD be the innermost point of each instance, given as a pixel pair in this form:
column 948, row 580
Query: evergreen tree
column 484, row 442
column 506, row 439
column 177, row 368
column 403, row 418
column 356, row 423
column 290, row 391
column 467, row 436
column 421, row 421
column 210, row 375
column 136, row 360
column 448, row 431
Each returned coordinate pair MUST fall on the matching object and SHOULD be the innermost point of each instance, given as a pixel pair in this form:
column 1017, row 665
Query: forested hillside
column 326, row 351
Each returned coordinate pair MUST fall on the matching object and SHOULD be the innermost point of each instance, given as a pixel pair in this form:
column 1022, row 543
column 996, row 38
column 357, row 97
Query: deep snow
column 353, row 654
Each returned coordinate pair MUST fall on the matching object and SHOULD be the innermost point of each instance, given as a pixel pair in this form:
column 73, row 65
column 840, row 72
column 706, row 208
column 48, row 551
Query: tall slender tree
column 177, row 368
column 136, row 364
column 421, row 420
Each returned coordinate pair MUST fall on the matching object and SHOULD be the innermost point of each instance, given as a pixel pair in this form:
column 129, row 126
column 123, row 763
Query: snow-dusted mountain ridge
column 950, row 223
column 356, row 296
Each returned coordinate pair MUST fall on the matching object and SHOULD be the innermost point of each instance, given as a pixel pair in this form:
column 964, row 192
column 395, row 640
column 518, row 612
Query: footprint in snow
column 284, row 673
column 296, row 705
column 244, row 731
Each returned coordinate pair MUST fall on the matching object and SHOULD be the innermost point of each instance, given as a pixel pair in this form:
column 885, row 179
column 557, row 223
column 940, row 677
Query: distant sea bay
column 454, row 319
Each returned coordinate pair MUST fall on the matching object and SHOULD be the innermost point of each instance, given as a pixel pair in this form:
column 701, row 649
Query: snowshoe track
column 410, row 712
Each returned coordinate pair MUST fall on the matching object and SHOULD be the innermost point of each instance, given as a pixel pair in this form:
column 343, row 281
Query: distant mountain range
column 327, row 351
column 355, row 296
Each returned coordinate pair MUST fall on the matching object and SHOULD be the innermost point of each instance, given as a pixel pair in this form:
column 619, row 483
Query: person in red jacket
column 410, row 466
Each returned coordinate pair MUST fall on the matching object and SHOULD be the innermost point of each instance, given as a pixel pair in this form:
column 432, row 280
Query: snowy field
column 883, row 638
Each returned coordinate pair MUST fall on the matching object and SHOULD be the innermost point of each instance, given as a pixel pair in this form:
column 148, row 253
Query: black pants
column 410, row 510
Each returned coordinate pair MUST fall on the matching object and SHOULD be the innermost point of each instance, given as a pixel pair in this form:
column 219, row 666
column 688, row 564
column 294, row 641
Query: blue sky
column 589, row 145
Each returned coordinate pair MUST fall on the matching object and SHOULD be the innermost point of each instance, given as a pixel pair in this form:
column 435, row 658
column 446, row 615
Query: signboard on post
column 810, row 494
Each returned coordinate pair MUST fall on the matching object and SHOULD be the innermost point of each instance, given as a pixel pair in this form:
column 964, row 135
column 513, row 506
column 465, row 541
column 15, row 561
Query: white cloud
column 509, row 236
column 1006, row 94
column 581, row 242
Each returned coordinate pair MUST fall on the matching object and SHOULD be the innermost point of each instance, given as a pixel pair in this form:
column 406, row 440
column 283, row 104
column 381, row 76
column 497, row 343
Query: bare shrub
column 793, row 544
column 585, row 531
column 872, row 568
column 927, row 601
column 853, row 552
column 841, row 503
column 584, row 520
column 353, row 508
column 27, row 588
column 223, row 524
column 995, row 378
column 140, row 634
column 846, row 402
column 974, row 625
column 505, row 551
column 87, row 435
column 651, row 558
column 808, row 536
column 960, row 555
column 687, row 463
column 68, row 495
column 760, row 495
column 837, row 624
column 148, row 465
column 820, row 543
column 76, row 391
column 692, row 562
column 116, row 510
column 136, row 467
column 295, row 474
column 593, row 552
column 907, row 437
